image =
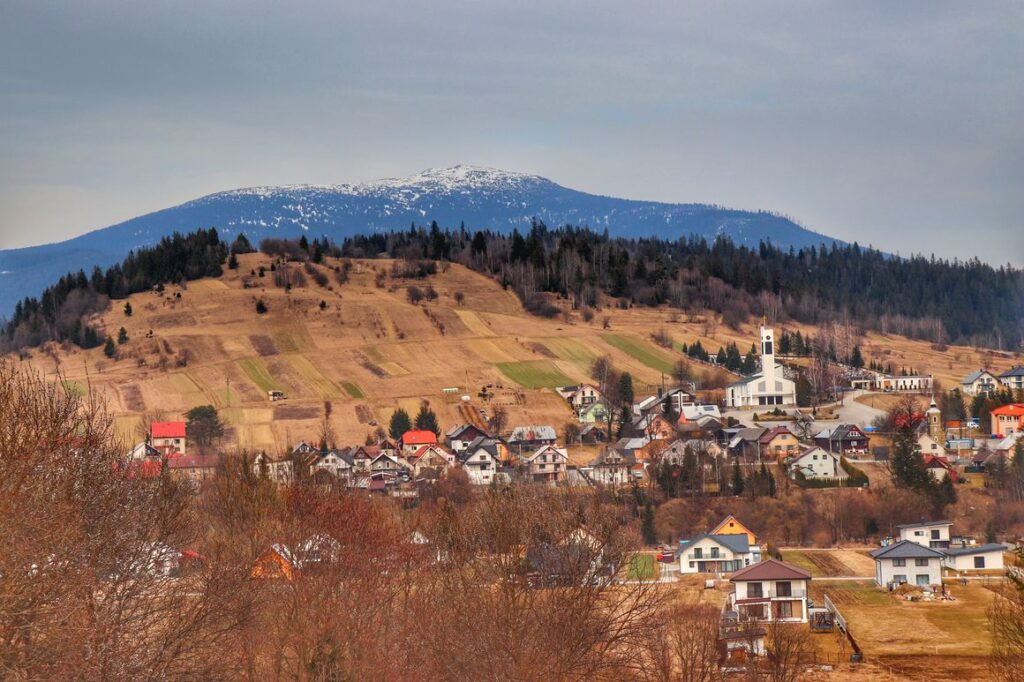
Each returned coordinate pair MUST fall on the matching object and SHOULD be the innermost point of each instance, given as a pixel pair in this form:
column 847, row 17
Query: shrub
column 261, row 307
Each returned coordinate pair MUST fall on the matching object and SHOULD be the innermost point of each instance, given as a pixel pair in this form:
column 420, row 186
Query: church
column 769, row 386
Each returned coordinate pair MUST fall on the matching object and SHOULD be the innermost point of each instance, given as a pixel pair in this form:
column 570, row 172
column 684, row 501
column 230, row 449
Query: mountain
column 479, row 197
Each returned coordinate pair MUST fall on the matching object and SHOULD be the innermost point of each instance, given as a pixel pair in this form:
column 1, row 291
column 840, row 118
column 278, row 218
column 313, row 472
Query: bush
column 538, row 304
column 414, row 294
column 261, row 307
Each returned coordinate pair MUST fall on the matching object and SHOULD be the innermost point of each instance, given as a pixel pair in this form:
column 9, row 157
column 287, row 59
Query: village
column 673, row 443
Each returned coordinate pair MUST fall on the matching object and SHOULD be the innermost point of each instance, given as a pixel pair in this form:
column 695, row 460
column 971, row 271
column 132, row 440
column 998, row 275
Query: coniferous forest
column 966, row 302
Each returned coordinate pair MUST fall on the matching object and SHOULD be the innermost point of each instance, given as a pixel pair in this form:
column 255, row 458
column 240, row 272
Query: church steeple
column 935, row 430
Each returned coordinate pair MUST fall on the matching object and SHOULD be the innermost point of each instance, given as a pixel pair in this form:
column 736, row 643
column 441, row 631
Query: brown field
column 830, row 563
column 370, row 351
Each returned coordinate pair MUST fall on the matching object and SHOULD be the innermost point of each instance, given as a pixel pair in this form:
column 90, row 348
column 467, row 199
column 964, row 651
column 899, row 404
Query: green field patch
column 259, row 375
column 534, row 373
column 641, row 351
column 642, row 567
column 375, row 353
column 353, row 390
column 73, row 388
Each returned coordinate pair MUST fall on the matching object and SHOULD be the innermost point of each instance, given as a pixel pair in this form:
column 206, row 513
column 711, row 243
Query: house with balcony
column 934, row 534
column 548, row 464
column 979, row 382
column 770, row 590
column 716, row 553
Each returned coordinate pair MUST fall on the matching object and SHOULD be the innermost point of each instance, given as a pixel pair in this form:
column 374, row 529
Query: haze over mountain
column 479, row 197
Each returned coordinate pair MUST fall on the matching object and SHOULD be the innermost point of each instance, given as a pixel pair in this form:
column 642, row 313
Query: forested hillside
column 937, row 300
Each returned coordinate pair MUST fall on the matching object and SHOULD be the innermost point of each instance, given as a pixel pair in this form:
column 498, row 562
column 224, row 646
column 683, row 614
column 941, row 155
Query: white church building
column 768, row 387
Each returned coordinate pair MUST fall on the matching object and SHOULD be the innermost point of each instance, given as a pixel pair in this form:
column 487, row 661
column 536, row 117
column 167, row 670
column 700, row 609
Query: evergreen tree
column 856, row 359
column 261, row 307
column 749, row 364
column 721, row 358
column 737, row 478
column 400, row 423
column 626, row 390
column 943, row 495
column 109, row 349
column 803, row 390
column 127, row 309
column 426, row 420
column 122, row 336
column 203, row 425
column 232, row 262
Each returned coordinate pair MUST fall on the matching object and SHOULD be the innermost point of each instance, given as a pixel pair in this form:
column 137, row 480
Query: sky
column 891, row 124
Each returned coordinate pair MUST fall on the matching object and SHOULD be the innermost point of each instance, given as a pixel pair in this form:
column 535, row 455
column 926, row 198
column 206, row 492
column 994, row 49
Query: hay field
column 369, row 350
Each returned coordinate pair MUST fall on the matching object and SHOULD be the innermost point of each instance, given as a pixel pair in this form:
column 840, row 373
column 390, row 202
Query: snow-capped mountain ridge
column 479, row 198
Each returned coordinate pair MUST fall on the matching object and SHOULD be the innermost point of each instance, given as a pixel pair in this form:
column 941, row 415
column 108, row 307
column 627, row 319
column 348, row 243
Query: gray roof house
column 908, row 562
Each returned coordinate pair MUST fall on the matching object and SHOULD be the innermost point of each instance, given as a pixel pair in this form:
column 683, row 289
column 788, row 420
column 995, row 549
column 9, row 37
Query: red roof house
column 168, row 430
column 415, row 439
column 940, row 467
column 1008, row 419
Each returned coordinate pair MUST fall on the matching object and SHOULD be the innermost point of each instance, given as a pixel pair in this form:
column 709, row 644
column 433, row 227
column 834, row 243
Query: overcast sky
column 894, row 124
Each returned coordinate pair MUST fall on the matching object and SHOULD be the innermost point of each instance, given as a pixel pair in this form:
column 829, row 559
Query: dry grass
column 371, row 347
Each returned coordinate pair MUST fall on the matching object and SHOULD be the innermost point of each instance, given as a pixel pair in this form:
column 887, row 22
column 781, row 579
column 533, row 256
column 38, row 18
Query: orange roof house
column 275, row 564
column 730, row 525
column 415, row 439
column 168, row 429
column 1007, row 419
column 168, row 437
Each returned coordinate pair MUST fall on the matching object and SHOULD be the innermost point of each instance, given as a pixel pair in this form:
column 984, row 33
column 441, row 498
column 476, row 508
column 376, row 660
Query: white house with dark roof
column 979, row 382
column 769, row 387
column 1013, row 378
column 934, row 534
column 716, row 553
column 817, row 463
column 985, row 557
column 770, row 590
column 908, row 562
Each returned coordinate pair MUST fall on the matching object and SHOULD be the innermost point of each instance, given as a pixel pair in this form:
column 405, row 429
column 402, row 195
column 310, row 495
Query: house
column 429, row 459
column 577, row 559
column 277, row 563
column 817, row 463
column 547, row 464
column 694, row 413
column 481, row 460
column 593, row 413
column 193, row 468
column 986, row 557
column 676, row 452
column 910, row 383
column 280, row 471
column 929, row 446
column 768, row 387
column 168, row 437
column 144, row 451
column 581, row 396
column 458, row 437
column 338, row 463
column 654, row 426
column 709, row 553
column 385, row 463
column 844, row 440
column 778, row 443
column 979, row 382
column 1013, row 378
column 303, row 449
column 1007, row 420
column 730, row 525
column 939, row 467
column 611, row 467
column 592, row 434
column 770, row 590
column 907, row 562
column 744, row 442
column 417, row 438
column 532, row 437
column 934, row 534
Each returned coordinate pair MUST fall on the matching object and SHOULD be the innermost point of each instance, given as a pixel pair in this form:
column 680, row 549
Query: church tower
column 934, row 416
column 768, row 352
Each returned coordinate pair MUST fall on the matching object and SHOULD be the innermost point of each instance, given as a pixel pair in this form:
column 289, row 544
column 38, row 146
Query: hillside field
column 368, row 351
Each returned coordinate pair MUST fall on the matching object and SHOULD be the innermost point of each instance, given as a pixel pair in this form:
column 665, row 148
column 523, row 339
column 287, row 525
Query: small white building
column 771, row 590
column 280, row 471
column 480, row 460
column 975, row 558
column 768, row 387
column 818, row 463
column 716, row 553
column 934, row 534
column 908, row 562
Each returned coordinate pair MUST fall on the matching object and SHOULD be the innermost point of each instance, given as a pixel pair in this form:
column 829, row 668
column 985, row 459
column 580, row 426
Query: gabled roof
column 770, row 569
column 975, row 375
column 168, row 429
column 734, row 543
column 1013, row 372
column 459, row 429
column 1011, row 410
column 906, row 549
column 545, row 448
column 533, row 433
column 768, row 435
column 420, row 437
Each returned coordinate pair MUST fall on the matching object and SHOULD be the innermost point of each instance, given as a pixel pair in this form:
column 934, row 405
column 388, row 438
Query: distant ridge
column 482, row 198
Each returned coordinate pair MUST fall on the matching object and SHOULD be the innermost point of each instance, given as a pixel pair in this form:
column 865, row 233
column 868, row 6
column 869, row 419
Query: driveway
column 850, row 412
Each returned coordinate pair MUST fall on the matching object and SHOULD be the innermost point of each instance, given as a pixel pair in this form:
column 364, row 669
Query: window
column 754, row 590
column 918, row 533
column 714, row 552
column 979, row 562
column 784, row 609
column 698, row 553
column 920, row 562
column 899, row 562
column 899, row 579
column 922, row 579
column 935, row 535
column 784, row 589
